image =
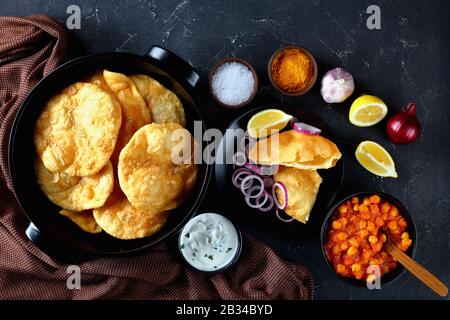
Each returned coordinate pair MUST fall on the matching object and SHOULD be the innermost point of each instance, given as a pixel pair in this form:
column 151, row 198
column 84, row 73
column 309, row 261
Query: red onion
column 404, row 127
column 277, row 212
column 245, row 186
column 306, row 128
column 260, row 201
column 283, row 189
column 238, row 176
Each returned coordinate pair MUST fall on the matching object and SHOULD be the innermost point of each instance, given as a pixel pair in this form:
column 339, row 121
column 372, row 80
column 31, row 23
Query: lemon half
column 375, row 159
column 367, row 111
column 266, row 122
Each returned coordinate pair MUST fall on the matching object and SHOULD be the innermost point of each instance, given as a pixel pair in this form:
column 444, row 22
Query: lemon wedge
column 375, row 159
column 367, row 111
column 266, row 122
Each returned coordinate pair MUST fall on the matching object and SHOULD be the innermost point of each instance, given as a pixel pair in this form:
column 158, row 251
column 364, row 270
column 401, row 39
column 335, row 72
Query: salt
column 233, row 83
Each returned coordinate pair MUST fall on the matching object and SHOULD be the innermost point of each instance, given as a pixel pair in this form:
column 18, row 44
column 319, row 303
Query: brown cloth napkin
column 30, row 48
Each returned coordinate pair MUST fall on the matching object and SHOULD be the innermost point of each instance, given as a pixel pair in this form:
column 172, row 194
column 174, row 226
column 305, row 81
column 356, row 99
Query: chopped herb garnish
column 229, row 249
column 182, row 246
column 210, row 257
column 215, row 267
column 206, row 255
column 187, row 235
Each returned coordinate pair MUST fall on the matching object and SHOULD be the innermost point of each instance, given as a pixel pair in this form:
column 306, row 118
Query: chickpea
column 375, row 199
column 352, row 251
column 385, row 269
column 363, row 208
column 383, row 238
column 366, row 201
column 374, row 208
column 373, row 262
column 342, row 209
column 365, row 215
column 392, row 225
column 406, row 243
column 402, row 222
column 385, row 207
column 336, row 249
column 355, row 200
column 343, row 220
column 363, row 233
column 344, row 246
column 393, row 212
column 354, row 242
column 379, row 221
column 373, row 239
column 367, row 254
column 336, row 225
column 355, row 207
column 356, row 267
column 370, row 227
column 342, row 236
column 377, row 246
column 340, row 268
column 362, row 224
column 405, row 235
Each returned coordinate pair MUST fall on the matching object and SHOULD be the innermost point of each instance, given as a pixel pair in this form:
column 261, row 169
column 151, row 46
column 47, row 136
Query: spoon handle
column 416, row 269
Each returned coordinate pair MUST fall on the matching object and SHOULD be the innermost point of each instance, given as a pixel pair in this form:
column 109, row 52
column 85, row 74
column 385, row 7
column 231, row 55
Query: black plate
column 55, row 234
column 404, row 212
column 268, row 223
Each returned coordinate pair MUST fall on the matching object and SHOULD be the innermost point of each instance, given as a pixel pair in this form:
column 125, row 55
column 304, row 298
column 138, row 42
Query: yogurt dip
column 209, row 242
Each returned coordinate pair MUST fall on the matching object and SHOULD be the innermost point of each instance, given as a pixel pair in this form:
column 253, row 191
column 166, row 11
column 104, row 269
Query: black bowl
column 233, row 201
column 57, row 235
column 392, row 275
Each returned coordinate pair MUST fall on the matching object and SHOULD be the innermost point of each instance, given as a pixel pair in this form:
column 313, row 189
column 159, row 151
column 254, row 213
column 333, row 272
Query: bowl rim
column 311, row 83
column 216, row 66
column 330, row 214
column 225, row 267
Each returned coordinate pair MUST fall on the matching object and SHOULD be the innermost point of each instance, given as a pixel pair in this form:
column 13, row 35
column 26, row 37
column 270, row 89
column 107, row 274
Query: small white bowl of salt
column 233, row 82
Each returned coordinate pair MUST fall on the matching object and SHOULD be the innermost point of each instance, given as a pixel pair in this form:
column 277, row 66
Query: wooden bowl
column 252, row 70
column 312, row 81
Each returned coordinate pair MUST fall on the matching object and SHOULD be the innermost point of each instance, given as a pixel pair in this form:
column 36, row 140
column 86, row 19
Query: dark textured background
column 408, row 59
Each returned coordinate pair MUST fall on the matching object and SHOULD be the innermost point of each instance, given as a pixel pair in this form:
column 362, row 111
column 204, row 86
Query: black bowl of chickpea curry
column 354, row 232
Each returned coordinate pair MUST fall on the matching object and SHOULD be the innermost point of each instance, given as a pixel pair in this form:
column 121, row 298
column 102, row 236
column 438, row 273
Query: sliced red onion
column 238, row 176
column 270, row 205
column 248, row 181
column 306, row 129
column 283, row 189
column 259, row 201
column 277, row 212
column 254, row 167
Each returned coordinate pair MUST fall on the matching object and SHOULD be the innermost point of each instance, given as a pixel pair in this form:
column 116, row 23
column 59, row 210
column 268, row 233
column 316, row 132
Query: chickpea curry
column 357, row 234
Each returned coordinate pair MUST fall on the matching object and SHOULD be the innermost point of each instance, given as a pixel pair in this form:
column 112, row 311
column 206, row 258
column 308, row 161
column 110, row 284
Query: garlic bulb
column 337, row 85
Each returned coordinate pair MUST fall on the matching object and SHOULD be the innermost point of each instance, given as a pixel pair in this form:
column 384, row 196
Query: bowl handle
column 176, row 64
column 49, row 246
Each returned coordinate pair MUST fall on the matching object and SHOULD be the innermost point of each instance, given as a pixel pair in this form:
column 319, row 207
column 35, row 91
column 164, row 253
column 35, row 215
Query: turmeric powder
column 292, row 70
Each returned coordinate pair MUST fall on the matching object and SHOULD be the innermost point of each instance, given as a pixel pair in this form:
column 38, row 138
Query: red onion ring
column 237, row 174
column 259, row 203
column 270, row 206
column 277, row 213
column 253, row 166
column 251, row 178
column 306, row 129
column 285, row 195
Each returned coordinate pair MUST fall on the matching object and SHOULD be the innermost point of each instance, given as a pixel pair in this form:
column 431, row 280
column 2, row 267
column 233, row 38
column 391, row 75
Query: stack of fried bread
column 298, row 156
column 104, row 154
